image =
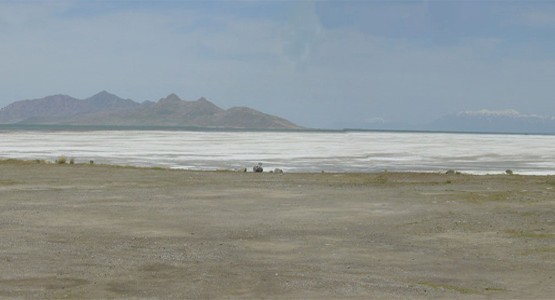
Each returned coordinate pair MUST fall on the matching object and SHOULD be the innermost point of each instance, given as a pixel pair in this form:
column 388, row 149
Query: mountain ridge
column 468, row 121
column 502, row 121
column 105, row 108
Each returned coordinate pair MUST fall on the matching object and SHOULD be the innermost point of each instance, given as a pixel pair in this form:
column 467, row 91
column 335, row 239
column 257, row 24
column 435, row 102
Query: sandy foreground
column 81, row 232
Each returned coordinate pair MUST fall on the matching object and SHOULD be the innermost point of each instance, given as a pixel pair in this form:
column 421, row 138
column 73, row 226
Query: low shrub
column 61, row 160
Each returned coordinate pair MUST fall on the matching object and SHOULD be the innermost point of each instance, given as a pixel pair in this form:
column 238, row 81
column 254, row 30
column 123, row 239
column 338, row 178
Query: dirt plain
column 104, row 232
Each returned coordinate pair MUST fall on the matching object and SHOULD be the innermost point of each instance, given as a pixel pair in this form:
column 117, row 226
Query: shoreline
column 66, row 127
column 249, row 170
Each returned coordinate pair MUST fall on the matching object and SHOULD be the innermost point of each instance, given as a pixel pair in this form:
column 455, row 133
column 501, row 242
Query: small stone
column 258, row 168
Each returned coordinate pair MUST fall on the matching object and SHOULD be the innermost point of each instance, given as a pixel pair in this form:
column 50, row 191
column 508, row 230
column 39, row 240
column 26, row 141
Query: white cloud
column 512, row 113
column 302, row 34
column 487, row 112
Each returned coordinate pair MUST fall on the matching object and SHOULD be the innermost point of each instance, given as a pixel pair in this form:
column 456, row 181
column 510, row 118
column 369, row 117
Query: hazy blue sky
column 317, row 63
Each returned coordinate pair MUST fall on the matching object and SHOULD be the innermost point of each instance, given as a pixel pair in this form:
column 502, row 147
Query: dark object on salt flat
column 258, row 168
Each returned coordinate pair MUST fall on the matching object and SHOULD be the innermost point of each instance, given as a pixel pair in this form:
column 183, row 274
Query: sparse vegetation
column 529, row 234
column 413, row 220
column 454, row 288
column 7, row 182
column 21, row 161
column 539, row 251
column 459, row 289
column 483, row 197
column 61, row 160
column 382, row 178
column 493, row 289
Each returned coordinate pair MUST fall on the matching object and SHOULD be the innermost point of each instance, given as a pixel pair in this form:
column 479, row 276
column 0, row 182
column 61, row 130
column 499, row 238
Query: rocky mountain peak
column 105, row 108
column 171, row 98
column 103, row 93
column 103, row 96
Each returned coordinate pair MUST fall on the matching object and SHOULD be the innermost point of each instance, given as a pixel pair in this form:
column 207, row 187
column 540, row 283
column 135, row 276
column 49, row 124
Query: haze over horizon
column 323, row 64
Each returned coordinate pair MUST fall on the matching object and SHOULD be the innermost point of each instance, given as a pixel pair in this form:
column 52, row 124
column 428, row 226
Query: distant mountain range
column 485, row 121
column 108, row 109
column 503, row 121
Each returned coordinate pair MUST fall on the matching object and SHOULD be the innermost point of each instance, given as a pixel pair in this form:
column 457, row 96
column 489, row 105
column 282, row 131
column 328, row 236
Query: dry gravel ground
column 81, row 232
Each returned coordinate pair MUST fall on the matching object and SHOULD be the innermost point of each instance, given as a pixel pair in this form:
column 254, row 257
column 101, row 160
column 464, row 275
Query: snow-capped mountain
column 504, row 121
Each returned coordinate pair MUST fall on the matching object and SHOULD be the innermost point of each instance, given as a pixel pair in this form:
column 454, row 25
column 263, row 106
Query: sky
column 322, row 64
